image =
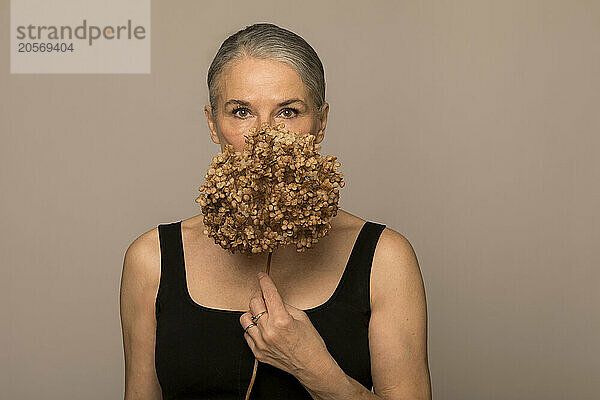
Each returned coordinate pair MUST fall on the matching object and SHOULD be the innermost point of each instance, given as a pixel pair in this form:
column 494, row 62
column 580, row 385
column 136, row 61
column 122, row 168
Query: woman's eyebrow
column 247, row 104
column 290, row 101
column 239, row 102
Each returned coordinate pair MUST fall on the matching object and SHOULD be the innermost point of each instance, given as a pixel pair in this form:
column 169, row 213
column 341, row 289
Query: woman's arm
column 398, row 326
column 139, row 285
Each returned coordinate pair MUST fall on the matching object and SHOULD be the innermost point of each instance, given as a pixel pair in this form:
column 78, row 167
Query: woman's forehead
column 252, row 79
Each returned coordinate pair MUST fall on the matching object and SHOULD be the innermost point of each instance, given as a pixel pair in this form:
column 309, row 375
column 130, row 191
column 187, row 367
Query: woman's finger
column 254, row 331
column 272, row 299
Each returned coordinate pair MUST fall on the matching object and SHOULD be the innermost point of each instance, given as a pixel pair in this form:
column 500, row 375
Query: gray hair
column 269, row 41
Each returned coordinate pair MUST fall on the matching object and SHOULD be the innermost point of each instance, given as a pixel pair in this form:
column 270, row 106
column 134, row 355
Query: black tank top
column 201, row 353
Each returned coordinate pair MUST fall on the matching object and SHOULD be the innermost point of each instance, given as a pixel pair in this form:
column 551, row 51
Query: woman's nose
column 262, row 119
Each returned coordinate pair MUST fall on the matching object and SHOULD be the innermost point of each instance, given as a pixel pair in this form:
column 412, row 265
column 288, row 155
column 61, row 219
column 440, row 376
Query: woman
column 344, row 317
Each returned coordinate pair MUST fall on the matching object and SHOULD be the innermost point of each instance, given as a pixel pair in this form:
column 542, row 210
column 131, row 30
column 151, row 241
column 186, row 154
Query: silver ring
column 246, row 329
column 256, row 317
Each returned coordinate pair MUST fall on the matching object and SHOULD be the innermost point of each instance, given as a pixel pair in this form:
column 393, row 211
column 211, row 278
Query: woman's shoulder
column 142, row 258
column 393, row 255
column 344, row 221
column 145, row 244
column 394, row 264
column 390, row 242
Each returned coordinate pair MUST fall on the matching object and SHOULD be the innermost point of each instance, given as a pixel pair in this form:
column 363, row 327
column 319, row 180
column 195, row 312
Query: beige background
column 472, row 127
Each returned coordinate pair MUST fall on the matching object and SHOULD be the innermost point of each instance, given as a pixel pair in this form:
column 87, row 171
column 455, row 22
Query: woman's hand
column 284, row 335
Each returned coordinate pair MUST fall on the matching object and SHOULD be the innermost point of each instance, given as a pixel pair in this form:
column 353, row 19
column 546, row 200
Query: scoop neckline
column 327, row 303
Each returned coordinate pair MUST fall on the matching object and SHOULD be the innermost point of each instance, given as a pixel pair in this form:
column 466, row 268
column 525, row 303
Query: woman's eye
column 244, row 110
column 290, row 112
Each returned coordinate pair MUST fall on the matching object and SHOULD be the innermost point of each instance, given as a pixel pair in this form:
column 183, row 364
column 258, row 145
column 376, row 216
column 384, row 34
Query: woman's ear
column 322, row 123
column 212, row 125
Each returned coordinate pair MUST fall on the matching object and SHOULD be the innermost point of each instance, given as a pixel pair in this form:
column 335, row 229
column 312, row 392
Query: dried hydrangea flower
column 279, row 190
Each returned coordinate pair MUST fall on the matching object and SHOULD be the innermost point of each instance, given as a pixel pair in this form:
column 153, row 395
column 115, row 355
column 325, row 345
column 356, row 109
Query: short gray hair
column 269, row 41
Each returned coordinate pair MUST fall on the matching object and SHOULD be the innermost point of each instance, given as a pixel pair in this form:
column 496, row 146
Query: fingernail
column 261, row 274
